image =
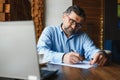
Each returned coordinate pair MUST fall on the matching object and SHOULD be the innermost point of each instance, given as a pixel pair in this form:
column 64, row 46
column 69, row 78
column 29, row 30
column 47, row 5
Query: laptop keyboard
column 48, row 75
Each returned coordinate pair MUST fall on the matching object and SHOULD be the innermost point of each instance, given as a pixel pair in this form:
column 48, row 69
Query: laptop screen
column 18, row 55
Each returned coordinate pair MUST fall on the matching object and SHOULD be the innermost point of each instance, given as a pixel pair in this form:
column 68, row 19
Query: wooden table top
column 110, row 72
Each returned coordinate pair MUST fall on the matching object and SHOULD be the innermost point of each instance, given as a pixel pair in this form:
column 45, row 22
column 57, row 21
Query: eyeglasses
column 73, row 22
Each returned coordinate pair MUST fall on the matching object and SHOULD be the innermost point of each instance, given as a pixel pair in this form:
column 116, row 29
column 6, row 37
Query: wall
column 93, row 25
column 112, row 32
column 54, row 10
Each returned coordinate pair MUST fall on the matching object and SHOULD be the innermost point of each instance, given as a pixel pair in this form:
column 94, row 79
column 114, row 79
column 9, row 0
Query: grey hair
column 78, row 10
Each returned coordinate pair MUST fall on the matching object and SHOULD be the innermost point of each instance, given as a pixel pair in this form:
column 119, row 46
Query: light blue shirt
column 54, row 43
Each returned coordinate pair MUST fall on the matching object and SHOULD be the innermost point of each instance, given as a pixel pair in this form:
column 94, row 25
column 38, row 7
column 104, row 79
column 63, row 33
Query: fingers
column 102, row 62
column 95, row 59
column 99, row 59
column 72, row 57
column 77, row 57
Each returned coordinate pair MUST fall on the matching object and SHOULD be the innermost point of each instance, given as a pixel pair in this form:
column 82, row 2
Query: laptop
column 18, row 54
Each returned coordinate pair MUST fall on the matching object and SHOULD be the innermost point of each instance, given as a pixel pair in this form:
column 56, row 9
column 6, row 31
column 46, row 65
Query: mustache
column 70, row 30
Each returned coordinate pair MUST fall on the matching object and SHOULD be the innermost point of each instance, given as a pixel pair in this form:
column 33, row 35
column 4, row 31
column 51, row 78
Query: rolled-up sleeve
column 45, row 44
column 89, row 47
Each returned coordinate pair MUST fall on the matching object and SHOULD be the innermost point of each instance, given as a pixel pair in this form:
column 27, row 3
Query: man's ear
column 63, row 17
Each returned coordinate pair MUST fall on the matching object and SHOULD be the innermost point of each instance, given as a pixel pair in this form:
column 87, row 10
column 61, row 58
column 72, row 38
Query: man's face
column 71, row 23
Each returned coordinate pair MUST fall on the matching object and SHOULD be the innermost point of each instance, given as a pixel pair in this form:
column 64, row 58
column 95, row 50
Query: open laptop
column 18, row 54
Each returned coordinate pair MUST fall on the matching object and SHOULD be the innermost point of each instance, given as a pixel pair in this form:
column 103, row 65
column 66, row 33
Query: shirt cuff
column 58, row 57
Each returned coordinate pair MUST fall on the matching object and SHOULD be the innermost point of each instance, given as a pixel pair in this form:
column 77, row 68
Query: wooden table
column 110, row 72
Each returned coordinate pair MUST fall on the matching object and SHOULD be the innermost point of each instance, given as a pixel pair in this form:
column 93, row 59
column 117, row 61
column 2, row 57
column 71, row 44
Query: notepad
column 85, row 64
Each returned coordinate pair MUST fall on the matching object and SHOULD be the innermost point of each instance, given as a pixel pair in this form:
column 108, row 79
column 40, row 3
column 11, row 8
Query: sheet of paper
column 85, row 64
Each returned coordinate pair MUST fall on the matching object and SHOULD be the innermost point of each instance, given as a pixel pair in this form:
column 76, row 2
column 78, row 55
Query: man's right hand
column 72, row 57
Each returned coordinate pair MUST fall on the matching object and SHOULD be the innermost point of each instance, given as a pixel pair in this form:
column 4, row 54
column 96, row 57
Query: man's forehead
column 76, row 17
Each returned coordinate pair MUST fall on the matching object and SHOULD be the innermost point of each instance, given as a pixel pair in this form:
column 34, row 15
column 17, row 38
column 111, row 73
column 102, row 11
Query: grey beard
column 69, row 32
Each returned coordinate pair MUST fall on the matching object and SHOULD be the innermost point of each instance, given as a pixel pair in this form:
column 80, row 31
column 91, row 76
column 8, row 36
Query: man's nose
column 74, row 26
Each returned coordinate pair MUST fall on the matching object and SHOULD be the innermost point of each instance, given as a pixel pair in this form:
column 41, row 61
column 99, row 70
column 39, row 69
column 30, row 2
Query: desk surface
column 110, row 72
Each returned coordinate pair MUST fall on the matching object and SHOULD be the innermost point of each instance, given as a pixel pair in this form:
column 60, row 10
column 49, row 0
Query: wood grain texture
column 2, row 16
column 94, row 20
column 37, row 9
column 109, row 72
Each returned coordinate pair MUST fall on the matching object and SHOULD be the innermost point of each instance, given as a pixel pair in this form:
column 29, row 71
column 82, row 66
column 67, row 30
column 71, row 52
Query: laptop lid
column 18, row 54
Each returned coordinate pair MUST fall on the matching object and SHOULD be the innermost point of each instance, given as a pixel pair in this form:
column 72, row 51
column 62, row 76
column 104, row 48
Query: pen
column 74, row 51
column 91, row 58
column 95, row 65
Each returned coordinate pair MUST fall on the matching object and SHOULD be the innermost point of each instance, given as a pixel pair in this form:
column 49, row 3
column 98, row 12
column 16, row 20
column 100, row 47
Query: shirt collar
column 60, row 27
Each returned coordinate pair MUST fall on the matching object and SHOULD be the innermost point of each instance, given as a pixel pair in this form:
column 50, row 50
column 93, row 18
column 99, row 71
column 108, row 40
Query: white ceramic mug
column 41, row 58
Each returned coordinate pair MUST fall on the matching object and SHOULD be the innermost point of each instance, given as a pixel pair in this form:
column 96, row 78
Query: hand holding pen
column 72, row 57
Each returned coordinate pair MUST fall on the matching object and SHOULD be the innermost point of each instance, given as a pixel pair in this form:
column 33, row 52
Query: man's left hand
column 100, row 58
